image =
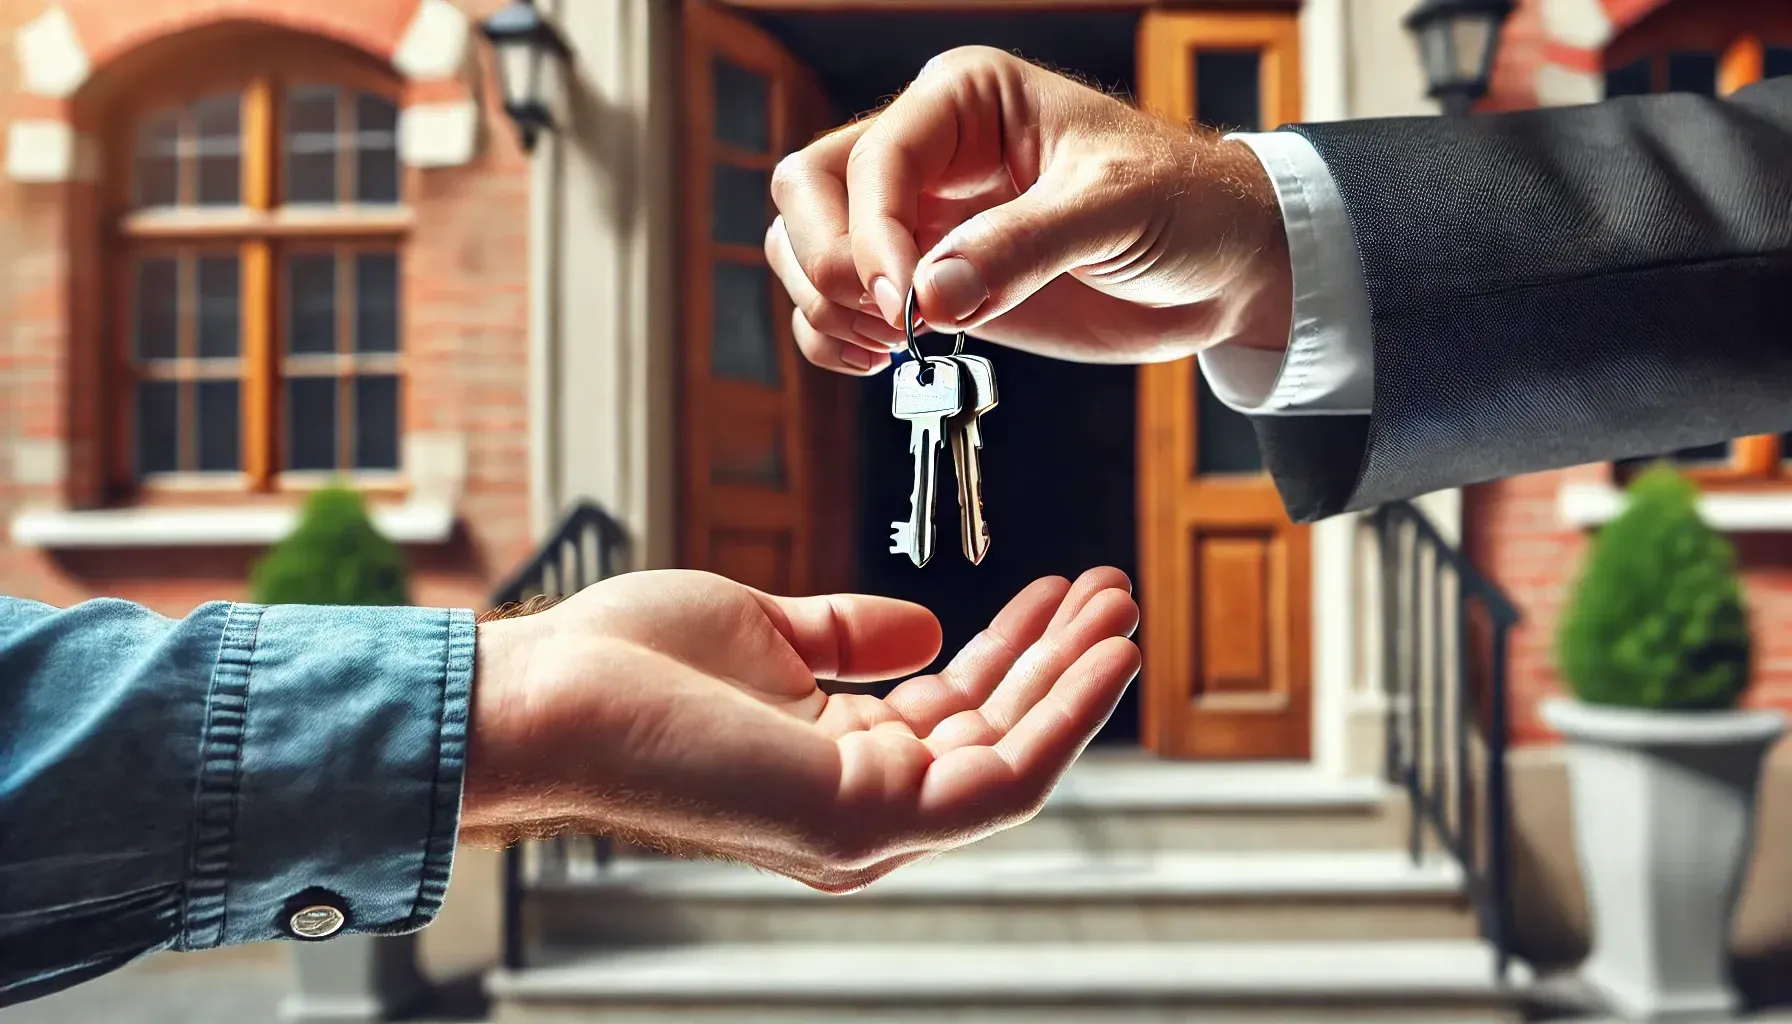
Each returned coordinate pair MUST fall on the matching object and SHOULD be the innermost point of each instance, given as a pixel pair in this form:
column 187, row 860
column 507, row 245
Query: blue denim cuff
column 331, row 762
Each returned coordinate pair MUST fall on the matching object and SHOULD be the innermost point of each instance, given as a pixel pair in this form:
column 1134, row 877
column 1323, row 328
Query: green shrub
column 1657, row 619
column 334, row 556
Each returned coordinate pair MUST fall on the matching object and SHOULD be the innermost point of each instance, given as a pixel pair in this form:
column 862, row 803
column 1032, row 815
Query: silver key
column 927, row 406
column 978, row 384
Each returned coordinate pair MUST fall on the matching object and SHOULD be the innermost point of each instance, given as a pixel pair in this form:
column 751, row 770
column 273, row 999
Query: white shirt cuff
column 1329, row 367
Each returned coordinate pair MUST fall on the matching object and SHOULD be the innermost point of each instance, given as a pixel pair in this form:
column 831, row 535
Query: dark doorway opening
column 1059, row 457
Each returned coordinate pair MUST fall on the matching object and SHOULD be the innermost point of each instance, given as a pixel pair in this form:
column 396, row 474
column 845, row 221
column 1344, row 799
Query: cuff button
column 319, row 921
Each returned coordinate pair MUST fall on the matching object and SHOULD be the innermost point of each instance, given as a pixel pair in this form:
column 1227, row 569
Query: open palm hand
column 684, row 710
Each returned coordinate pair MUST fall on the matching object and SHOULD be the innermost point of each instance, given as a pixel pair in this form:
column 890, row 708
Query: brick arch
column 108, row 29
column 428, row 42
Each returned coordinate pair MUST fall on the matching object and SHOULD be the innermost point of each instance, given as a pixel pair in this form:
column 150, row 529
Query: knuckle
column 834, row 276
column 787, row 176
column 823, row 315
column 961, row 60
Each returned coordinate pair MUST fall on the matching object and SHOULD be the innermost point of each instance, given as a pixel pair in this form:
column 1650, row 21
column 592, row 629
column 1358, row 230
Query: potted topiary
column 336, row 556
column 1662, row 766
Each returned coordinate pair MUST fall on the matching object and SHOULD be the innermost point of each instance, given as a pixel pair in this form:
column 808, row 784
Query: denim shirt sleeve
column 185, row 784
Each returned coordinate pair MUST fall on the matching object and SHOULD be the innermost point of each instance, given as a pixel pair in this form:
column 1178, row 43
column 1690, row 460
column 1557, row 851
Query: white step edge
column 866, row 974
column 1059, row 875
column 1096, row 783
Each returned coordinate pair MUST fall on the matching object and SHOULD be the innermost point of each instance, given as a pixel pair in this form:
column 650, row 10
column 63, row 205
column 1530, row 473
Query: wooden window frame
column 1738, row 32
column 262, row 232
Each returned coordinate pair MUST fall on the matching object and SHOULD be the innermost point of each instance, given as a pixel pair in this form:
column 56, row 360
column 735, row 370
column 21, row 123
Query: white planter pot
column 1664, row 808
column 353, row 978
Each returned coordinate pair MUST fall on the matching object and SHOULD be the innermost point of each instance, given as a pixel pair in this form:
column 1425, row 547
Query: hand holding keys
column 939, row 395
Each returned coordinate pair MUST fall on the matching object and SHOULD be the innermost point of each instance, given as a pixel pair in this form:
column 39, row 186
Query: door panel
column 764, row 434
column 1224, row 575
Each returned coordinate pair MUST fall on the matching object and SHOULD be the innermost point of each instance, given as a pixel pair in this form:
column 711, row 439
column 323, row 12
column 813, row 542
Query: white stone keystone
column 438, row 134
column 434, row 44
column 51, row 57
column 1582, row 24
column 1558, row 86
column 44, row 151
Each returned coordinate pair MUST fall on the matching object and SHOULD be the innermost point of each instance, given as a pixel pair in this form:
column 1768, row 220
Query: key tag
column 908, row 334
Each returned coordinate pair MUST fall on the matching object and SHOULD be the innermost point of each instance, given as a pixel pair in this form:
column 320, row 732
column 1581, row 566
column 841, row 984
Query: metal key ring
column 908, row 330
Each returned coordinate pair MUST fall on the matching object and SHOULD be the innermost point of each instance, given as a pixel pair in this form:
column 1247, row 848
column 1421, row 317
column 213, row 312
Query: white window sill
column 1582, row 505
column 417, row 522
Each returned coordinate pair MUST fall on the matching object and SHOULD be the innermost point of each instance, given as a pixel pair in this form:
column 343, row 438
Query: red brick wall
column 1515, row 535
column 1515, row 65
column 465, row 322
column 1513, row 530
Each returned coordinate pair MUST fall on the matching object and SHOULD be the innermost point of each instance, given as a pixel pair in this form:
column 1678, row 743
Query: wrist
column 1259, row 278
column 494, row 780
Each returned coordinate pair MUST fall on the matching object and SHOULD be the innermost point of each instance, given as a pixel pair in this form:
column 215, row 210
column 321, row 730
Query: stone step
column 1021, row 897
column 1114, row 803
column 987, row 983
column 1126, row 804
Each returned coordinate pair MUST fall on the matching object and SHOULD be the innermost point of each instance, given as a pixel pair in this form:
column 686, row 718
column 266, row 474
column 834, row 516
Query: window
column 261, row 262
column 1696, row 46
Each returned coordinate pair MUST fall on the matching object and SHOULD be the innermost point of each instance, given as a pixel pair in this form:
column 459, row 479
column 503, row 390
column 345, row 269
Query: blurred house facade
column 249, row 244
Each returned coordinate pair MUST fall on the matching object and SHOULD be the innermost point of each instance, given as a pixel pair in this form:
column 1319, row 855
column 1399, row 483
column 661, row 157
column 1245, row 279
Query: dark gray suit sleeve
column 1554, row 287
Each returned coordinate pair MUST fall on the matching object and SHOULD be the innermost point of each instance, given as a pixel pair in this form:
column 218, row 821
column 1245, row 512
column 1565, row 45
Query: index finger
column 809, row 190
column 912, row 142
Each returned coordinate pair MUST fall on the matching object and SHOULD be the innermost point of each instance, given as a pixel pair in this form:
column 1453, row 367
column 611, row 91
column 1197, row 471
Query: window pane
column 1700, row 455
column 1693, row 72
column 1224, row 440
column 1632, row 79
column 1704, row 454
column 311, row 143
column 311, row 422
column 1227, row 89
column 376, row 149
column 742, row 346
column 219, row 319
column 158, row 427
column 158, row 163
column 376, row 302
column 740, row 205
column 742, row 102
column 157, row 327
column 376, row 423
column 217, row 127
column 1777, row 62
column 311, row 301
column 220, row 426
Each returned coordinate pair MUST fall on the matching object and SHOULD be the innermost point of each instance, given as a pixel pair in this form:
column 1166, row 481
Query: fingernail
column 868, row 304
column 889, row 300
column 957, row 286
column 855, row 357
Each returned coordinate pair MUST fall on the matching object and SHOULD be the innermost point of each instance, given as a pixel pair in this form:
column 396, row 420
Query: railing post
column 1465, row 815
column 1415, row 718
column 1390, row 654
column 511, row 910
column 1499, row 895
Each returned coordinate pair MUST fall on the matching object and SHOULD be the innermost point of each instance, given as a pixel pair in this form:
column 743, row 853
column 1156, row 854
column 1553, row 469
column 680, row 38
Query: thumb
column 856, row 638
column 997, row 259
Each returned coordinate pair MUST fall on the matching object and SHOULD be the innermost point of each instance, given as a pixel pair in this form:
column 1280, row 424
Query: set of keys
column 941, row 397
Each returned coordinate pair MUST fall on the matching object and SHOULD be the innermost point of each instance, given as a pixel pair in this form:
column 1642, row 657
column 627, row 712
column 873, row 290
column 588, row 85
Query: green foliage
column 334, row 557
column 1657, row 620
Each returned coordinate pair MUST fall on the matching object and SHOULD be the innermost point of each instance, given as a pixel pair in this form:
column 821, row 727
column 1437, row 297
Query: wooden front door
column 1225, row 579
column 766, row 439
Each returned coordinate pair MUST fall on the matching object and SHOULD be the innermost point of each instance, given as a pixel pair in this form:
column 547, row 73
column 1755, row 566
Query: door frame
column 1340, row 694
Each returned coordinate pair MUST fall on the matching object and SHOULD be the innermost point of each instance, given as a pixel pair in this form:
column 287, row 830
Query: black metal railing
column 588, row 546
column 1445, row 630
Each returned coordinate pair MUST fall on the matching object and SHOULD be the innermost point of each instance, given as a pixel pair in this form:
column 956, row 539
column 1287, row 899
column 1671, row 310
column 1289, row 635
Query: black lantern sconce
column 1457, row 42
column 532, row 59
